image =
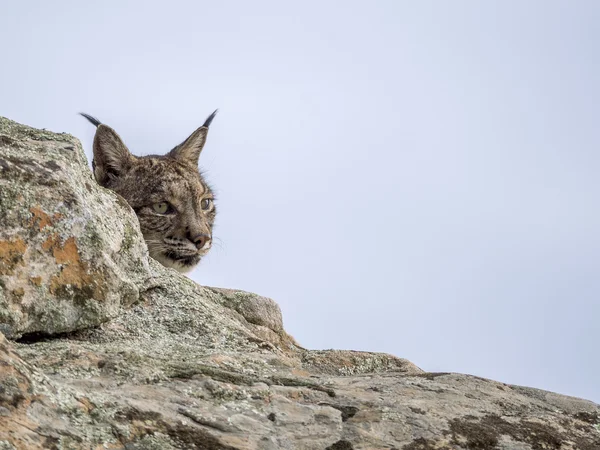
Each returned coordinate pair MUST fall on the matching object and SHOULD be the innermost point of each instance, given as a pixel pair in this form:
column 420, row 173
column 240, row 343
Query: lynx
column 174, row 204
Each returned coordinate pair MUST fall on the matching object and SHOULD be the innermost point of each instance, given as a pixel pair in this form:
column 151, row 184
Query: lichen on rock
column 112, row 350
column 67, row 256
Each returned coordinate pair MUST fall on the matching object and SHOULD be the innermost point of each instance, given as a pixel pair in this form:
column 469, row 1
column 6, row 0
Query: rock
column 70, row 252
column 189, row 367
column 256, row 310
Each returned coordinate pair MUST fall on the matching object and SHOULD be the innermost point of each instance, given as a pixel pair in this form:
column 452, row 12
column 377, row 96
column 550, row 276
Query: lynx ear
column 189, row 150
column 111, row 156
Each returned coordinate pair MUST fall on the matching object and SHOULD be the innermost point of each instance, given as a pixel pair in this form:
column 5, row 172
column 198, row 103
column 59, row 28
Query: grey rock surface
column 181, row 366
column 70, row 252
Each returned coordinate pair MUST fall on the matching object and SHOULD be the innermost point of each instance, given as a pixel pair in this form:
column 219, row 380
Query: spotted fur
column 177, row 235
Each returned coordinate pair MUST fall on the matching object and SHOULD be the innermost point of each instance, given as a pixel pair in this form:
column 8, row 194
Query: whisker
column 218, row 242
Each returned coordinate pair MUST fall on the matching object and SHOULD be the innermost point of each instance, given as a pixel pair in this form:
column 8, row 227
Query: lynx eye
column 162, row 208
column 206, row 203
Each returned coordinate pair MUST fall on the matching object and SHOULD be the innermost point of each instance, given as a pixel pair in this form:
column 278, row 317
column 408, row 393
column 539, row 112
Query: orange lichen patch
column 11, row 255
column 36, row 280
column 74, row 272
column 300, row 372
column 86, row 404
column 294, row 394
column 68, row 253
column 41, row 219
column 50, row 242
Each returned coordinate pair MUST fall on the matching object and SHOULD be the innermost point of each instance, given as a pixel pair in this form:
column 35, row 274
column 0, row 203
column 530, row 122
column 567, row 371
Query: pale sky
column 418, row 178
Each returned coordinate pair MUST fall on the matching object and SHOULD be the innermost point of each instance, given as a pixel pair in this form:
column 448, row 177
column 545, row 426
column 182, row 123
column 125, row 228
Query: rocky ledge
column 102, row 348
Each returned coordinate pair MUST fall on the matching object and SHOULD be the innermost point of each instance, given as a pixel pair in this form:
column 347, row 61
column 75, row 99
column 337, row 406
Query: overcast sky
column 418, row 178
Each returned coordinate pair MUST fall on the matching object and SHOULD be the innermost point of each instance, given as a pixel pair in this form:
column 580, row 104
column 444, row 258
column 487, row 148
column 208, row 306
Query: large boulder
column 182, row 366
column 70, row 251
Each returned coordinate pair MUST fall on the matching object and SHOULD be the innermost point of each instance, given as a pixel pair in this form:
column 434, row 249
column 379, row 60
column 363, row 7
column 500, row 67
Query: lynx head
column 173, row 203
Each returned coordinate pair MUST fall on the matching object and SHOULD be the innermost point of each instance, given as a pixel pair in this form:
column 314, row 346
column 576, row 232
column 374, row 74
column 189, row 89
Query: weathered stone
column 255, row 309
column 70, row 252
column 191, row 367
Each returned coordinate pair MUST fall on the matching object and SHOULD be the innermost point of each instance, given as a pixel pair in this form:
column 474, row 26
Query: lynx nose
column 201, row 241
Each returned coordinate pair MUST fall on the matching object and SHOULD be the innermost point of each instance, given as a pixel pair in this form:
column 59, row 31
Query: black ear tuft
column 189, row 150
column 92, row 119
column 210, row 118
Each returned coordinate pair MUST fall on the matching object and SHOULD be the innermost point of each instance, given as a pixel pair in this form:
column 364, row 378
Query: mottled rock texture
column 175, row 365
column 70, row 252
